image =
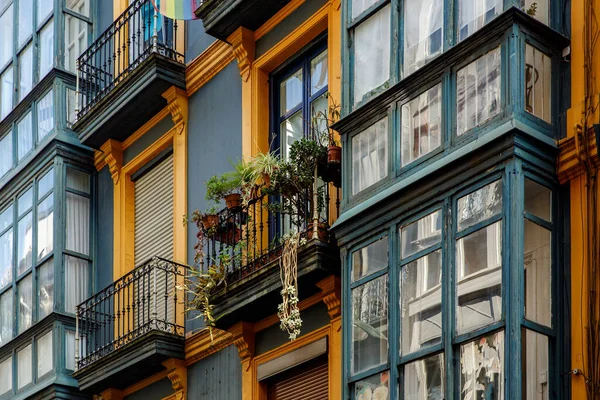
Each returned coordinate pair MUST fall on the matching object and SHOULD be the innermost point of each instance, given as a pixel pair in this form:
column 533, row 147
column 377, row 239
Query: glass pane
column 24, row 136
column 480, row 205
column 6, row 156
column 482, row 368
column 70, row 350
column 424, row 379
column 538, row 274
column 537, row 9
column 421, row 125
column 7, row 90
column 372, row 53
column 75, row 40
column 538, row 200
column 25, row 201
column 292, row 130
column 479, row 278
column 79, row 6
column 44, row 9
column 422, row 32
column 478, row 91
column 318, row 118
column 71, row 105
column 25, row 72
column 421, row 234
column 45, row 227
column 25, row 303
column 538, row 84
column 373, row 388
column 46, row 289
column 318, row 72
column 46, row 183
column 6, row 33
column 369, row 259
column 6, row 258
column 290, row 92
column 25, row 20
column 78, row 180
column 78, row 223
column 358, row 6
column 46, row 49
column 45, row 115
column 6, row 375
column 369, row 156
column 76, row 282
column 535, row 353
column 6, row 218
column 370, row 324
column 421, row 303
column 6, row 317
column 24, row 367
column 473, row 14
column 44, row 354
column 24, row 244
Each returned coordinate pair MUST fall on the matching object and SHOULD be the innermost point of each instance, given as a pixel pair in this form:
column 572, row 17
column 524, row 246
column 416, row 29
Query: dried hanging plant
column 288, row 311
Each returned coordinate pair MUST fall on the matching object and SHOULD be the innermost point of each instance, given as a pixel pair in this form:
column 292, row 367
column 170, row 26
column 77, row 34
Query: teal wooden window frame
column 512, row 322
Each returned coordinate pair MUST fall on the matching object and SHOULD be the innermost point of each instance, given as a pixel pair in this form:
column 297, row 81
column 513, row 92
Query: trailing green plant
column 532, row 10
column 219, row 186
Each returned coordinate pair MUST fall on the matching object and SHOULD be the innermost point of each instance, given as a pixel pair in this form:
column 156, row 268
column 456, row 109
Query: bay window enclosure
column 432, row 323
column 538, row 85
column 370, row 156
column 421, row 125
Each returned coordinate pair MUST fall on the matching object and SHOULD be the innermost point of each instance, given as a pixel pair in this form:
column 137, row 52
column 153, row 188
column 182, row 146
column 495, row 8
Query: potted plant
column 210, row 219
column 264, row 166
column 322, row 123
column 224, row 187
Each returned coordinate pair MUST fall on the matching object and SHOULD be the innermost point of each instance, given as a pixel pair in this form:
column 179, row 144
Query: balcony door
column 154, row 287
column 141, row 29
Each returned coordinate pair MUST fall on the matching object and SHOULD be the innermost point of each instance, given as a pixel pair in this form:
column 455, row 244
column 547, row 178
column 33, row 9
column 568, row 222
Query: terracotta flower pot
column 266, row 179
column 210, row 221
column 233, row 200
column 322, row 232
column 334, row 155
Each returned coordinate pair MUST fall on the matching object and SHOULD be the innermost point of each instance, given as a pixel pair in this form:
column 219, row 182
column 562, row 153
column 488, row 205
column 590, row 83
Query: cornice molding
column 244, row 48
column 111, row 154
column 200, row 345
column 110, row 394
column 208, row 64
column 572, row 155
column 243, row 338
column 331, row 287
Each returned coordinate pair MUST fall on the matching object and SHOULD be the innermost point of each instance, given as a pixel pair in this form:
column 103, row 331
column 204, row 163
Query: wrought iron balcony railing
column 144, row 300
column 135, row 35
column 247, row 238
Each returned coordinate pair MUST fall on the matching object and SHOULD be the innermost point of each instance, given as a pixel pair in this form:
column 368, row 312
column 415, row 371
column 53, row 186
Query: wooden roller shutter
column 308, row 381
column 154, row 236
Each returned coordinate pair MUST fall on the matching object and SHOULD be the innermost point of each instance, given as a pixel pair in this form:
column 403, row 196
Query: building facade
column 459, row 260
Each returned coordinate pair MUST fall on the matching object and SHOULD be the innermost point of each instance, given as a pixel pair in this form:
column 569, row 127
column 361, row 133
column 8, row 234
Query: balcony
column 222, row 17
column 122, row 75
column 125, row 331
column 249, row 238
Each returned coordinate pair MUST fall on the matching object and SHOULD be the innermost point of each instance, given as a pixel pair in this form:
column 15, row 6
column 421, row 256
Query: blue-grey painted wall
column 157, row 390
column 196, row 40
column 147, row 139
column 217, row 377
column 104, row 15
column 104, row 242
column 214, row 138
column 285, row 27
column 313, row 318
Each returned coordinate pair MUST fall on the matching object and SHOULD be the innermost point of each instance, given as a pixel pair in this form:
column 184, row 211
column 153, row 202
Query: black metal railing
column 136, row 34
column 247, row 238
column 144, row 300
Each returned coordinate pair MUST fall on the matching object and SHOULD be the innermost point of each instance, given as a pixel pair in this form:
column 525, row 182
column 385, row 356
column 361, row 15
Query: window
column 25, row 136
column 25, row 72
column 44, row 10
column 6, row 375
column 76, row 32
column 478, row 91
column 71, row 106
column 6, row 91
column 473, row 14
column 538, row 84
column 46, row 58
column 24, row 367
column 372, row 54
column 369, row 156
column 421, row 125
column 25, row 21
column 7, row 19
column 44, row 354
column 6, row 317
column 45, row 115
column 70, row 350
column 423, row 36
column 6, row 153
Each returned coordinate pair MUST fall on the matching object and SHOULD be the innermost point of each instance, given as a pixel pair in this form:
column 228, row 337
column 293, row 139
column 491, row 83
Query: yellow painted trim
column 278, row 18
column 200, row 345
column 274, row 319
column 118, row 7
column 208, row 64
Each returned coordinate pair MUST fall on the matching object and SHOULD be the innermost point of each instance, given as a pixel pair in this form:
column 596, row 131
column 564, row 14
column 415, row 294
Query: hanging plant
column 288, row 311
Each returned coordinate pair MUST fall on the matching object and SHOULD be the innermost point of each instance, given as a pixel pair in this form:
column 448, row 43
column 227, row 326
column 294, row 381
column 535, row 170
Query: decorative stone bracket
column 243, row 339
column 331, row 288
column 177, row 101
column 242, row 41
column 111, row 154
column 177, row 374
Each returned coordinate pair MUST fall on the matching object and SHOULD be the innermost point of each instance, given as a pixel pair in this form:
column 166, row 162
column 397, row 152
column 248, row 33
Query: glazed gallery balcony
column 126, row 330
column 122, row 75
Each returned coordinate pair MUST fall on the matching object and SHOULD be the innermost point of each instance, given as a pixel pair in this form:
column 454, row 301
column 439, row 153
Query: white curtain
column 46, row 48
column 6, row 320
column 70, row 350
column 6, row 156
column 45, row 114
column 78, row 223
column 46, row 289
column 76, row 282
column 45, row 227
column 25, row 303
column 6, row 375
column 24, row 368
column 369, row 156
column 6, row 88
column 44, row 354
column 6, row 257
column 25, row 138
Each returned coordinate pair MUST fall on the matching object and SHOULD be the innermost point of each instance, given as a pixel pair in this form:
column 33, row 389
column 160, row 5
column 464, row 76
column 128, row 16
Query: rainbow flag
column 175, row 9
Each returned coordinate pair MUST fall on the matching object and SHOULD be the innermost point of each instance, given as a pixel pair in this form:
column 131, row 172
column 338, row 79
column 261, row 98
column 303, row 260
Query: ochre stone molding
column 200, row 345
column 177, row 374
column 208, row 64
column 177, row 100
column 574, row 152
column 331, row 287
column 243, row 338
column 244, row 47
column 110, row 394
column 111, row 154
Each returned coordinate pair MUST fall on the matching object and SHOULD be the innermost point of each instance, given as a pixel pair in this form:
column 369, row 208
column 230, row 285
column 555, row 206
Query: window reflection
column 424, row 379
column 482, row 368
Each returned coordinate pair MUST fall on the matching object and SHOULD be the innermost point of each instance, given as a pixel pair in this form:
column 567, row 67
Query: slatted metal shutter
column 154, row 234
column 308, row 381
